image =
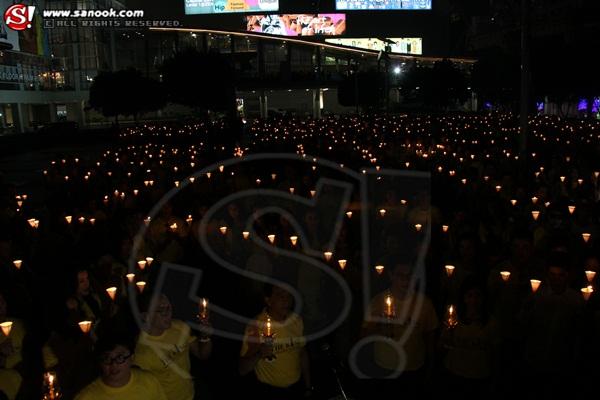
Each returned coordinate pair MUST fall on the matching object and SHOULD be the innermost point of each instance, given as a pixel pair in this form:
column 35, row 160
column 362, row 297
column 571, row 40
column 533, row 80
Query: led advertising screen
column 297, row 24
column 229, row 6
column 397, row 45
column 383, row 4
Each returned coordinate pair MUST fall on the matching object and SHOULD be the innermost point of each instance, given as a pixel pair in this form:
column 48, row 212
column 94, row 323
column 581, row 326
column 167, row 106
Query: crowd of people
column 359, row 256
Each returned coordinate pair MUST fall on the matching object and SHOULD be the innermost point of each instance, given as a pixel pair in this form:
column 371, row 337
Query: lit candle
column 268, row 328
column 562, row 178
column 223, row 230
column 192, row 179
column 147, row 221
column 273, row 176
column 142, row 264
column 498, row 188
column 313, row 193
column 69, row 218
column 587, row 292
column 294, row 240
column 189, row 219
column 112, row 292
column 327, row 255
column 418, row 227
column 246, row 234
column 130, row 277
column 535, row 284
column 445, row 228
column 6, row 327
column 208, row 174
column 586, row 236
column 81, row 220
column 149, row 261
column 292, row 190
column 349, row 214
column 204, row 309
column 92, row 221
column 379, row 269
column 221, row 168
column 382, row 212
column 535, row 215
column 173, row 227
column 271, row 238
column 449, row 270
column 342, row 264
column 590, row 275
column 18, row 263
column 451, row 320
column 534, row 199
column 513, row 202
column 85, row 326
column 389, row 312
column 505, row 275
column 141, row 285
column 571, row 209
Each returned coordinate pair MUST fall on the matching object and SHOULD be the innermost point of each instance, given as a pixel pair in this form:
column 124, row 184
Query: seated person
column 10, row 354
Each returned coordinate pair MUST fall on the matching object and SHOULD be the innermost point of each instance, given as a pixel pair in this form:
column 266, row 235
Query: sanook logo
column 18, row 17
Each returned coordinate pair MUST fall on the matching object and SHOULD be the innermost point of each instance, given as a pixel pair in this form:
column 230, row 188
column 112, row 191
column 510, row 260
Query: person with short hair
column 118, row 380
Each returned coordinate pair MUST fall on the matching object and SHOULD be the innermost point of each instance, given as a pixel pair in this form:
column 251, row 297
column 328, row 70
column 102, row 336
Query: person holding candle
column 10, row 354
column 164, row 346
column 413, row 327
column 274, row 350
column 85, row 304
column 472, row 346
column 118, row 379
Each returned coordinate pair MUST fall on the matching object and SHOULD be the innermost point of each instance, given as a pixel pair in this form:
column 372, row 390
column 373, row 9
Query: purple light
column 596, row 105
column 540, row 105
column 487, row 105
column 582, row 106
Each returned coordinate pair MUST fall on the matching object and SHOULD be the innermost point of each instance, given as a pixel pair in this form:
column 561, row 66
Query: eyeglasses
column 118, row 360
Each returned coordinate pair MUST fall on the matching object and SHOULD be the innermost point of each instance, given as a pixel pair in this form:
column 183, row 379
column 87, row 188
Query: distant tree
column 204, row 81
column 366, row 85
column 126, row 92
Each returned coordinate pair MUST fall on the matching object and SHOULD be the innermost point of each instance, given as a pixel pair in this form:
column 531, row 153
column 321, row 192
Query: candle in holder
column 535, row 215
column 327, row 255
column 498, row 188
column 571, row 209
column 147, row 221
column 271, row 238
column 513, row 202
column 18, row 263
column 141, row 285
column 313, row 193
column 379, row 269
column 149, row 261
column 535, row 284
column 112, row 292
column 586, row 237
column 587, row 292
column 451, row 319
column 418, row 227
column 590, row 275
column 246, row 234
column 69, row 219
column 142, row 264
column 445, row 228
column 342, row 264
column 389, row 306
column 349, row 214
column 223, row 230
column 173, row 227
column 449, row 270
column 50, row 382
column 130, row 277
column 294, row 240
column 189, row 219
column 268, row 328
column 382, row 212
column 85, row 326
column 6, row 327
column 204, row 310
column 534, row 199
column 505, row 275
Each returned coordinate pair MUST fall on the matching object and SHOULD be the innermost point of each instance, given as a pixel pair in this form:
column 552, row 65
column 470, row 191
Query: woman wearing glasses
column 118, row 380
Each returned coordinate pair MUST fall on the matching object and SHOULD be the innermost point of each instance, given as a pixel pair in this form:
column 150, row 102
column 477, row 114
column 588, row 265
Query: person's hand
column 205, row 328
column 6, row 348
column 72, row 304
column 266, row 350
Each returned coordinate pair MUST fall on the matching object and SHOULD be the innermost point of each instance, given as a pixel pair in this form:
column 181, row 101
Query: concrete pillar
column 317, row 96
column 19, row 119
column 263, row 103
column 52, row 110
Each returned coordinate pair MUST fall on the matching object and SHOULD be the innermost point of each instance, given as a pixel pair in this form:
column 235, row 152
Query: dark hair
column 111, row 340
column 558, row 258
column 470, row 283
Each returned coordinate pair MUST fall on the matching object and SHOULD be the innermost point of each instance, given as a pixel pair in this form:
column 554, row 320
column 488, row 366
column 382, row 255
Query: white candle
column 587, row 292
column 18, row 263
column 141, row 285
column 246, row 234
column 535, row 284
column 590, row 275
column 130, row 277
column 327, row 255
column 449, row 270
column 342, row 264
column 112, row 292
column 294, row 240
column 6, row 327
column 271, row 238
column 85, row 326
column 505, row 275
column 379, row 269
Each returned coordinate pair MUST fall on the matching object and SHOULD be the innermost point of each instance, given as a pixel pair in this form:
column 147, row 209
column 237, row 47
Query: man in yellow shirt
column 274, row 349
column 164, row 346
column 118, row 379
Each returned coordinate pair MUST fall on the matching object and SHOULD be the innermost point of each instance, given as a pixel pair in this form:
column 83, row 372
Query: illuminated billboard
column 397, row 45
column 383, row 4
column 229, row 6
column 297, row 24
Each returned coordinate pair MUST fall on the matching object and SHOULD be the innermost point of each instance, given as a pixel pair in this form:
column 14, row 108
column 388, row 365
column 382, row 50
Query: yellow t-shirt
column 415, row 316
column 167, row 357
column 17, row 334
column 10, row 383
column 142, row 386
column 288, row 341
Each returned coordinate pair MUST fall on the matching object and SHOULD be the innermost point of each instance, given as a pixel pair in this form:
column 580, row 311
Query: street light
column 397, row 70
